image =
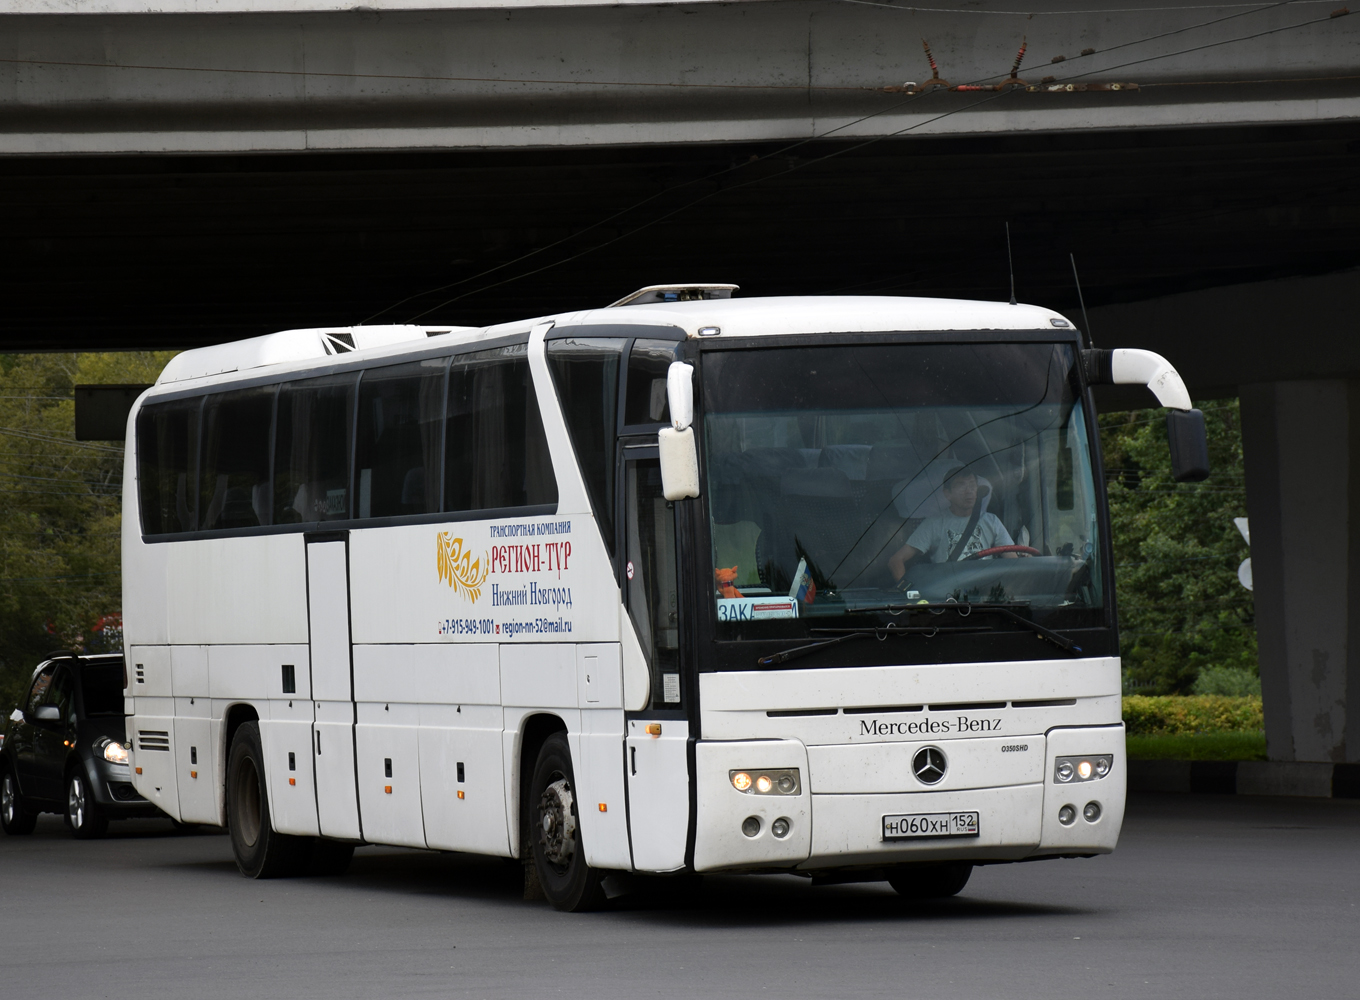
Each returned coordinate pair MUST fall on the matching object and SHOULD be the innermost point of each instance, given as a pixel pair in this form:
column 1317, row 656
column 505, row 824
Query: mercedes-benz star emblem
column 928, row 765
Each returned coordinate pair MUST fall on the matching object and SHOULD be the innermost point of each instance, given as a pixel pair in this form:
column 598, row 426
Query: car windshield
column 103, row 687
column 848, row 477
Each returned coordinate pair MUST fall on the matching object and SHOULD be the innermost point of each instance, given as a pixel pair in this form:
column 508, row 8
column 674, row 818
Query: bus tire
column 931, row 880
column 554, row 832
column 15, row 815
column 82, row 811
column 261, row 852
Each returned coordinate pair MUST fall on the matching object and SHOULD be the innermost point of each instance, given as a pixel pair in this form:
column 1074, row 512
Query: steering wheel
column 997, row 550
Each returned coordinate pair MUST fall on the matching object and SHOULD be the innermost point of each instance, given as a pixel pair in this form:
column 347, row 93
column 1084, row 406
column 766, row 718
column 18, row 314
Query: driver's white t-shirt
column 936, row 536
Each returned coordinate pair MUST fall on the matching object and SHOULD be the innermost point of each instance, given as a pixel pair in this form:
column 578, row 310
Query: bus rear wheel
column 261, row 852
column 555, row 835
column 931, row 881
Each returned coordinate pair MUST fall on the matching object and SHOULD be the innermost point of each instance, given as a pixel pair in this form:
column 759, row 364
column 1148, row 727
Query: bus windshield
column 847, row 477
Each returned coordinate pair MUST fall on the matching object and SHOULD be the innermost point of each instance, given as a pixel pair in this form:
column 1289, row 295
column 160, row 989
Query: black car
column 64, row 749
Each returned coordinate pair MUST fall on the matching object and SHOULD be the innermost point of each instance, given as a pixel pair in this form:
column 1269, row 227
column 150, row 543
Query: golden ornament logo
column 457, row 568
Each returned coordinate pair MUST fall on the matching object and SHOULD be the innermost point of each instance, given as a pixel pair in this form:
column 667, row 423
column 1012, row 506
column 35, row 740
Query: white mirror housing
column 680, row 396
column 679, row 460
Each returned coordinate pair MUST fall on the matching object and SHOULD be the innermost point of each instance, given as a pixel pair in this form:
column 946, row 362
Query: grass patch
column 1198, row 746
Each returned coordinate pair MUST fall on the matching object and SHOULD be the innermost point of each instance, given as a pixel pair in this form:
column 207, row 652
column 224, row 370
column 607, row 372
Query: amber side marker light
column 387, row 789
column 653, row 729
column 460, row 791
column 292, row 781
column 193, row 774
column 139, row 770
column 604, row 808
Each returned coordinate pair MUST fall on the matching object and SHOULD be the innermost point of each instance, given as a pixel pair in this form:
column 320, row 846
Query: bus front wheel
column 555, row 835
column 261, row 852
column 931, row 881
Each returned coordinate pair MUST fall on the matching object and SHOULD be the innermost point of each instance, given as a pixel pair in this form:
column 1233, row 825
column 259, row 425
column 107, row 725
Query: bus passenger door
column 337, row 802
column 657, row 740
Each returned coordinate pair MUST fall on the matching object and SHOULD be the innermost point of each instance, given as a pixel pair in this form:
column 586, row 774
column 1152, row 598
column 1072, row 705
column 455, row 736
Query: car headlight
column 782, row 781
column 1089, row 768
column 112, row 751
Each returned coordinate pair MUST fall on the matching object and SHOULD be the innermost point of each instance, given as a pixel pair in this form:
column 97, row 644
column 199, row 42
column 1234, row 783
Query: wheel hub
column 76, row 803
column 7, row 799
column 557, row 822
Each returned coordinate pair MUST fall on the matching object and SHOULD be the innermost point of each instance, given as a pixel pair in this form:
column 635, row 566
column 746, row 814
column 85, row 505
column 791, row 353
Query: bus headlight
column 1089, row 768
column 779, row 781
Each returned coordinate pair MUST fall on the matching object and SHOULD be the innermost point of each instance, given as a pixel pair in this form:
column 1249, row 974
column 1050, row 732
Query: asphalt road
column 1206, row 897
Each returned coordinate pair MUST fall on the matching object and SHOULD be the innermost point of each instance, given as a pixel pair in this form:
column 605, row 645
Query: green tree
column 1176, row 550
column 59, row 509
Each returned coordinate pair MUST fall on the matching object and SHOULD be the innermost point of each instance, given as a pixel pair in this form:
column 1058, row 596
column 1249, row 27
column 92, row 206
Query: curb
column 1246, row 777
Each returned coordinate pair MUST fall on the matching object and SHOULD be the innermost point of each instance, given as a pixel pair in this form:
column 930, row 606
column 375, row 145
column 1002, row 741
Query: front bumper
column 837, row 818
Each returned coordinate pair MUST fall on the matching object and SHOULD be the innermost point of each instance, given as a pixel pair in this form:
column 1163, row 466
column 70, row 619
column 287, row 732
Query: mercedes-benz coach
column 691, row 583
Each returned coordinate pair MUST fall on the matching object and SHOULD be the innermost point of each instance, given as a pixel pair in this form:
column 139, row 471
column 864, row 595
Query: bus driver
column 941, row 537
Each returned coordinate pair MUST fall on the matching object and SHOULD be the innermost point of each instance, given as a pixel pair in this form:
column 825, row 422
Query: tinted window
column 397, row 457
column 648, row 364
column 234, row 488
column 102, row 686
column 37, row 694
column 167, row 437
column 62, row 694
column 311, row 451
column 587, row 377
column 495, row 454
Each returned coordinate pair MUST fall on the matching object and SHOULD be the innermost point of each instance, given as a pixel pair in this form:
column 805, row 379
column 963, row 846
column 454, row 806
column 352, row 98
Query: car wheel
column 931, row 881
column 260, row 851
column 554, row 831
column 15, row 816
column 83, row 815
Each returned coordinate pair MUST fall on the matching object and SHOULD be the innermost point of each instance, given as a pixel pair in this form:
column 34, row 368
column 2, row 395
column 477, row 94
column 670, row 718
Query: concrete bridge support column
column 1302, row 452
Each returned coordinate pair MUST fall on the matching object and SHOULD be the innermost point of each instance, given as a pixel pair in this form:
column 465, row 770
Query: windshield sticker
column 745, row 609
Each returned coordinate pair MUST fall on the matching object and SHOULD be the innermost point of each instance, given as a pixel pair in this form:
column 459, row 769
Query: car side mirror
column 1189, row 446
column 677, row 449
column 47, row 713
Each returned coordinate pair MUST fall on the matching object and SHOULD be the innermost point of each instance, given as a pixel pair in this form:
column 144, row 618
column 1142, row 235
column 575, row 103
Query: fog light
column 1064, row 771
column 1091, row 812
column 1084, row 769
column 1102, row 766
column 751, row 826
column 764, row 784
column 741, row 781
column 780, row 827
column 1067, row 815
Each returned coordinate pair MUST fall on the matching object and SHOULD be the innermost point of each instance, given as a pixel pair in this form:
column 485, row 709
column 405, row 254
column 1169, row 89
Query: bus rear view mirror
column 679, row 463
column 1189, row 446
column 680, row 394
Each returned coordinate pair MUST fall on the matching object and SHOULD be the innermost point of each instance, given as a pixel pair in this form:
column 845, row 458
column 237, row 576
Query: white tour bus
column 690, row 583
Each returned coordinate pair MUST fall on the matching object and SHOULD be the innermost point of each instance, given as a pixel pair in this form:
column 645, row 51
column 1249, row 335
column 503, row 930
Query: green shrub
column 1234, row 682
column 1165, row 714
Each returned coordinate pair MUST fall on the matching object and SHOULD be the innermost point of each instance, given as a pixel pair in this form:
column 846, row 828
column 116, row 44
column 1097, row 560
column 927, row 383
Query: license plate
column 963, row 824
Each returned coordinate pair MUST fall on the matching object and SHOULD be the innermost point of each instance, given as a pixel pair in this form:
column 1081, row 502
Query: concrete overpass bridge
column 180, row 172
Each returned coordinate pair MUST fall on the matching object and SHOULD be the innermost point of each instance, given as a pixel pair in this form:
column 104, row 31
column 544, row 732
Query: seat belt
column 968, row 531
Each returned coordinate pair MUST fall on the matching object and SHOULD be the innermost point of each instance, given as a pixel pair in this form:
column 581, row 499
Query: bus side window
column 495, row 452
column 586, row 372
column 167, row 466
column 650, row 576
column 400, row 437
column 311, row 449
column 234, row 488
column 649, row 362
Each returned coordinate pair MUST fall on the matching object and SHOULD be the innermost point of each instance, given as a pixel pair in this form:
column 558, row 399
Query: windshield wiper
column 850, row 634
column 963, row 610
